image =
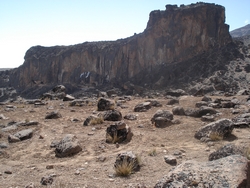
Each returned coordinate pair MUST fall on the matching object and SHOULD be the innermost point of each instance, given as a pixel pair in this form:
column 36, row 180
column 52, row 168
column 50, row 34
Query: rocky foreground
column 172, row 138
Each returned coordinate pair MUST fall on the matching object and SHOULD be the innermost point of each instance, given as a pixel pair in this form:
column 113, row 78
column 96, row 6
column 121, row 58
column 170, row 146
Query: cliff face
column 171, row 36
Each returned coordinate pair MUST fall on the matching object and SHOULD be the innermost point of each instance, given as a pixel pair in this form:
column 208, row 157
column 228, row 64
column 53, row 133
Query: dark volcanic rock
column 112, row 115
column 162, row 118
column 105, row 104
column 227, row 150
column 118, row 132
column 68, row 146
column 225, row 172
column 220, row 128
column 142, row 107
column 53, row 115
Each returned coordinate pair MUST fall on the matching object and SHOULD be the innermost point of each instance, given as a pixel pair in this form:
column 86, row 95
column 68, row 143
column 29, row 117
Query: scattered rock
column 105, row 104
column 13, row 139
column 162, row 118
column 204, row 110
column 68, row 98
column 220, row 129
column 53, row 115
column 170, row 159
column 3, row 145
column 206, row 99
column 112, row 115
column 192, row 112
column 225, row 172
column 8, row 172
column 130, row 117
column 201, row 103
column 30, row 185
column 178, row 110
column 46, row 180
column 142, row 107
column 154, row 103
column 208, row 118
column 118, row 133
column 226, row 150
column 176, row 93
column 68, row 146
column 173, row 101
column 242, row 121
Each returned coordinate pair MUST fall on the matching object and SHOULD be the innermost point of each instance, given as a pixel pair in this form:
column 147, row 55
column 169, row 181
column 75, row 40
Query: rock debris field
column 171, row 140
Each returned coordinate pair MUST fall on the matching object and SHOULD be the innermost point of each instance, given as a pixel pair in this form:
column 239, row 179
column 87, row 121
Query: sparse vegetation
column 126, row 167
column 115, row 139
column 152, row 153
column 215, row 136
column 95, row 121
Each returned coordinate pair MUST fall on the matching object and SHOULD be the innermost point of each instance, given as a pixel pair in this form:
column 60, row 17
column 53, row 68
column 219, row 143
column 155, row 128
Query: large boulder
column 68, row 146
column 162, row 118
column 178, row 110
column 215, row 130
column 222, row 173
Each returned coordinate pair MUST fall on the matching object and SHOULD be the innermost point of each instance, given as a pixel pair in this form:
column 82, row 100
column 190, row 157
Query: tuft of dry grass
column 126, row 167
column 215, row 136
column 115, row 139
column 152, row 153
column 96, row 121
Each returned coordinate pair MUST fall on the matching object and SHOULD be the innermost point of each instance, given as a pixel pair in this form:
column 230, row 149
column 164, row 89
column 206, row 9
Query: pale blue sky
column 26, row 23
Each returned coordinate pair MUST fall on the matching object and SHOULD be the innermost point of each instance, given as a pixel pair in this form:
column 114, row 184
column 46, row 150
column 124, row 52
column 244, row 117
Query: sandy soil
column 27, row 160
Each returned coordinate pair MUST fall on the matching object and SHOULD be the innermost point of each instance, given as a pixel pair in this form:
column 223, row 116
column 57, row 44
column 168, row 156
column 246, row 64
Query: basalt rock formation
column 172, row 36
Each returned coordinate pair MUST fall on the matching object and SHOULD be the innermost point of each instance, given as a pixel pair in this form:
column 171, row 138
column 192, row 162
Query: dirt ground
column 27, row 160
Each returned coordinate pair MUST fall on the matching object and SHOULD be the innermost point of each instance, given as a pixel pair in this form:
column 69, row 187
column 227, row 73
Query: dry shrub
column 115, row 139
column 96, row 121
column 215, row 136
column 152, row 153
column 126, row 167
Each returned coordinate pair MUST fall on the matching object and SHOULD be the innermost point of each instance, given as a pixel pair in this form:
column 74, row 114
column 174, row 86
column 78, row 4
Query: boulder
column 215, row 130
column 242, row 121
column 118, row 132
column 226, row 150
column 178, row 110
column 201, row 103
column 105, row 104
column 112, row 115
column 225, row 172
column 154, row 103
column 204, row 110
column 162, row 118
column 21, row 135
column 68, row 146
column 130, row 117
column 53, row 115
column 142, row 107
column 192, row 112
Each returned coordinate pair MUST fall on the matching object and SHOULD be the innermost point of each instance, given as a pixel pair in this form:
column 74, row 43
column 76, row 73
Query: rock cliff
column 174, row 35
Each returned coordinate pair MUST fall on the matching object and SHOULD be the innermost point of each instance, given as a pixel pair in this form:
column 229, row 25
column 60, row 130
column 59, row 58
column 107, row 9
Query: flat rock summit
column 165, row 108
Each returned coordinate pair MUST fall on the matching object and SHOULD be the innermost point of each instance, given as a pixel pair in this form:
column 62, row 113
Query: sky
column 27, row 23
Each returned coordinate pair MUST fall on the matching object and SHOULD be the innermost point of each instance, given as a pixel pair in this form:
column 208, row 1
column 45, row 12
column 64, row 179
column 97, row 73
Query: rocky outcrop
column 171, row 36
column 226, row 172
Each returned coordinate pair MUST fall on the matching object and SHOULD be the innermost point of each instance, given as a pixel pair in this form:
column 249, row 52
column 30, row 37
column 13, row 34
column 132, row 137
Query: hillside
column 241, row 32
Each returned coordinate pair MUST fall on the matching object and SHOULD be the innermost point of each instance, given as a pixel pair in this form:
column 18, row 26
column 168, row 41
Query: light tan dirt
column 27, row 160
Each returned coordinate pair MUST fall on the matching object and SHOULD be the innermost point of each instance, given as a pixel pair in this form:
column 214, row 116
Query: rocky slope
column 175, row 35
column 240, row 32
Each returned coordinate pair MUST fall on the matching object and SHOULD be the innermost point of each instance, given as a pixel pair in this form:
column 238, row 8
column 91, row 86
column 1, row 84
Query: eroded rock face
column 226, row 172
column 173, row 35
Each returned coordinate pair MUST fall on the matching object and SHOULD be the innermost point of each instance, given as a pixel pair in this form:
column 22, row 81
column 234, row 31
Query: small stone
column 7, row 172
column 41, row 137
column 49, row 167
column 91, row 134
column 169, row 159
column 77, row 172
column 47, row 180
column 111, row 179
column 117, row 145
